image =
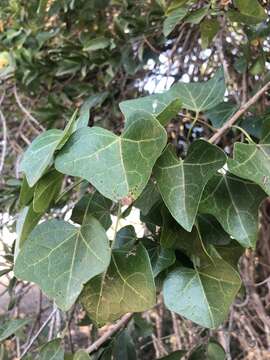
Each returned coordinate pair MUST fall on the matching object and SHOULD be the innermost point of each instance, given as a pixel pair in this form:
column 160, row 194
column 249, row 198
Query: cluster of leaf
column 96, row 45
column 200, row 216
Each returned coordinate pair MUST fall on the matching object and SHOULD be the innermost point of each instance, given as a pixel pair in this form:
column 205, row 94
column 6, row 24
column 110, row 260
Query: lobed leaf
column 127, row 286
column 60, row 258
column 181, row 182
column 118, row 166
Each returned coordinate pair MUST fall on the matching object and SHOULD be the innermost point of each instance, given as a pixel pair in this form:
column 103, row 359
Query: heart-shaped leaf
column 61, row 258
column 240, row 201
column 181, row 182
column 118, row 166
column 252, row 161
column 203, row 295
column 39, row 155
column 127, row 286
column 201, row 96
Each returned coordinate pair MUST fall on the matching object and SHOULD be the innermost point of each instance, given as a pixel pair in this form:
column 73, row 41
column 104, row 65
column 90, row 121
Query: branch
column 4, row 141
column 114, row 328
column 38, row 333
column 215, row 138
column 24, row 110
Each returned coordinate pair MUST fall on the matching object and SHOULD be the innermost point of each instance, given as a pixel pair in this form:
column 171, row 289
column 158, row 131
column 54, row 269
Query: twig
column 122, row 322
column 24, row 110
column 4, row 141
column 38, row 333
column 215, row 138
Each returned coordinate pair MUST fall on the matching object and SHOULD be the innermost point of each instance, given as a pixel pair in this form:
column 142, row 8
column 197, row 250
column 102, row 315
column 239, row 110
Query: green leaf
column 9, row 327
column 221, row 113
column 26, row 222
column 60, row 258
column 46, row 189
column 97, row 43
column 125, row 238
column 124, row 347
column 81, row 355
column 211, row 351
column 96, row 205
column 209, row 28
column 251, row 161
column 181, row 182
column 148, row 198
column 38, row 157
column 212, row 231
column 173, row 19
column 201, row 96
column 118, row 166
column 176, row 355
column 91, row 102
column 202, row 295
column 163, row 106
column 161, row 259
column 252, row 11
column 196, row 16
column 52, row 351
column 230, row 253
column 26, row 193
column 127, row 286
column 240, row 201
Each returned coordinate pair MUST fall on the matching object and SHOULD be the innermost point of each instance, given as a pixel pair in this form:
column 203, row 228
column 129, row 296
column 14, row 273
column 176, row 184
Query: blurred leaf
column 209, row 28
column 10, row 327
column 52, row 351
column 252, row 10
column 173, row 19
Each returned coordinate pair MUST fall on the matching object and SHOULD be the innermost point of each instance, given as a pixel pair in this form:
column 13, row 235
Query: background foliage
column 68, row 64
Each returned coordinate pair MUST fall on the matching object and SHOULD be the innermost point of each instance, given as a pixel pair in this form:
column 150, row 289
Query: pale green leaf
column 51, row 351
column 94, row 204
column 202, row 295
column 46, row 190
column 173, row 19
column 118, row 166
column 127, row 286
column 181, row 183
column 240, row 202
column 201, row 96
column 9, row 327
column 38, row 157
column 60, row 258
